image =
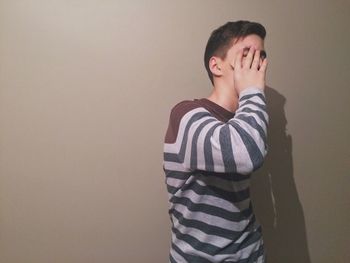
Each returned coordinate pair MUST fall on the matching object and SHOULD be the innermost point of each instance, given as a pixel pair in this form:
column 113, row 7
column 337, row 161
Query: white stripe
column 249, row 250
column 251, row 90
column 252, row 228
column 216, row 151
column 200, row 145
column 253, row 107
column 188, row 249
column 241, row 156
column 256, row 99
column 254, row 133
column 260, row 259
column 175, row 166
column 174, row 182
column 215, row 201
column 201, row 236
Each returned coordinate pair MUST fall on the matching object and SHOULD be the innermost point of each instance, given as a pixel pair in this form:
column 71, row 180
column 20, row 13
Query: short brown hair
column 222, row 38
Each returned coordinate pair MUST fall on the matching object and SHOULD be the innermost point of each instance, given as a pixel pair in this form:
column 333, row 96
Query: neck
column 224, row 96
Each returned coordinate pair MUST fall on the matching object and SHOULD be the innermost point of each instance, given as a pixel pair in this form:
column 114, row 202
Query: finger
column 256, row 59
column 248, row 60
column 262, row 57
column 238, row 60
column 260, row 62
column 263, row 66
column 245, row 51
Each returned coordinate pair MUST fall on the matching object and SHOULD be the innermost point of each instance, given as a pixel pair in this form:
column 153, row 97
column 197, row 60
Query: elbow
column 253, row 162
column 259, row 158
column 257, row 165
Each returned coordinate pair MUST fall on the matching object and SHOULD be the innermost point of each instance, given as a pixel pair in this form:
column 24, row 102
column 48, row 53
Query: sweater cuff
column 250, row 90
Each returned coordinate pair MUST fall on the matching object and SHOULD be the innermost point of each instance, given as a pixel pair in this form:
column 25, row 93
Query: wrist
column 250, row 90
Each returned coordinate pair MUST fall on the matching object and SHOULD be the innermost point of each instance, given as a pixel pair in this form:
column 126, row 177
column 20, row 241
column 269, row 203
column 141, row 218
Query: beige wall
column 85, row 91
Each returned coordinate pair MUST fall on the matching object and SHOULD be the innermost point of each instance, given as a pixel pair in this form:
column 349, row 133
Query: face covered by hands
column 249, row 69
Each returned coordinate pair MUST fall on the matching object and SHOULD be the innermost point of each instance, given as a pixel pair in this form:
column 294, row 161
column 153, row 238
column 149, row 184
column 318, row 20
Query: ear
column 215, row 66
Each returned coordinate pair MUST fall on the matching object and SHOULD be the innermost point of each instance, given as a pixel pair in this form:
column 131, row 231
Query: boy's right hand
column 246, row 73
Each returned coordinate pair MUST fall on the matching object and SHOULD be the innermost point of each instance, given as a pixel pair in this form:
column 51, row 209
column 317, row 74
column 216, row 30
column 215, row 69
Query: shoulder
column 182, row 107
column 177, row 113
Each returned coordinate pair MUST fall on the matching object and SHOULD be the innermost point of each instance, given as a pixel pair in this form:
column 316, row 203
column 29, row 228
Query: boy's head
column 226, row 41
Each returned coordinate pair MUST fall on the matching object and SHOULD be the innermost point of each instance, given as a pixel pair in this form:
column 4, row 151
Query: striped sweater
column 209, row 155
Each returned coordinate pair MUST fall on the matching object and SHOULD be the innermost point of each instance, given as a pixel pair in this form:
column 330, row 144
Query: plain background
column 86, row 87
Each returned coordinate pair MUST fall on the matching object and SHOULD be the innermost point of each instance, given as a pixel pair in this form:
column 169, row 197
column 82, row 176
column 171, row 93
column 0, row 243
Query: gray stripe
column 209, row 161
column 176, row 257
column 226, row 149
column 251, row 120
column 247, row 102
column 231, row 207
column 257, row 112
column 260, row 95
column 182, row 245
column 191, row 258
column 252, row 148
column 222, row 183
column 194, row 142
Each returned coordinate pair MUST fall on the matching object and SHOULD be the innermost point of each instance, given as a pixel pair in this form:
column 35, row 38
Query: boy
column 211, row 147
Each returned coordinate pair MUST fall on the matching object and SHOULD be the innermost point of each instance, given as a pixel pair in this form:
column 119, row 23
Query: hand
column 248, row 73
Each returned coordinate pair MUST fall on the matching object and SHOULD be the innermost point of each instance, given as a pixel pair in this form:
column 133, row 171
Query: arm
column 201, row 142
column 205, row 143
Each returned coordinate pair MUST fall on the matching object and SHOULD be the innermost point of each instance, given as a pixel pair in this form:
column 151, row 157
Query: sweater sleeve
column 202, row 142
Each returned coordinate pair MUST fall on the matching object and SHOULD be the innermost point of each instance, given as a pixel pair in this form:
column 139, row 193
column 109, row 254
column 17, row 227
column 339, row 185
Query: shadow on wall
column 275, row 197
